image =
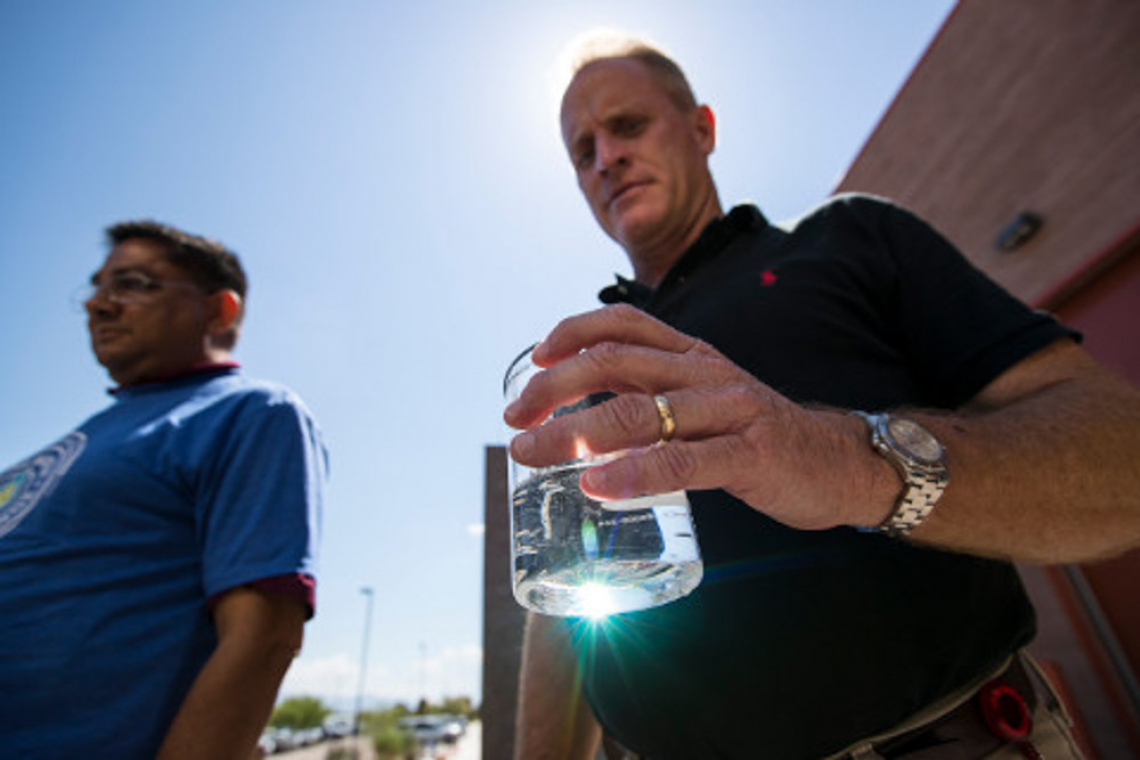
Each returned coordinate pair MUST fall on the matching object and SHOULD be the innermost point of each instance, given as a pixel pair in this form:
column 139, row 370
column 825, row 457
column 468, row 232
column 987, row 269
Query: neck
column 144, row 373
column 177, row 375
column 651, row 262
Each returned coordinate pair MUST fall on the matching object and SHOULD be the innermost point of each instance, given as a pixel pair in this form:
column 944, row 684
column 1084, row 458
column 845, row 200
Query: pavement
column 320, row 751
column 469, row 747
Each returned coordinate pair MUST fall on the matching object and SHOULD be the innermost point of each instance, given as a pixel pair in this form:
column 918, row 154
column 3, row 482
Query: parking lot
column 469, row 747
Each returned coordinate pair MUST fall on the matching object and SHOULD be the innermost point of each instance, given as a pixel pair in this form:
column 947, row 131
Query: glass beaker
column 572, row 555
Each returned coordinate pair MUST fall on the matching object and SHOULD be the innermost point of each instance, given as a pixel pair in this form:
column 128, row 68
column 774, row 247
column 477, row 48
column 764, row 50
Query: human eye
column 584, row 155
column 131, row 283
column 629, row 126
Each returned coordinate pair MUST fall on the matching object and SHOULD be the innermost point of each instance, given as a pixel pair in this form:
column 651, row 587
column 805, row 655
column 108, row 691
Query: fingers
column 696, row 465
column 624, row 422
column 618, row 368
column 726, row 420
column 618, row 349
column 765, row 468
column 633, row 420
column 620, row 323
column 732, row 431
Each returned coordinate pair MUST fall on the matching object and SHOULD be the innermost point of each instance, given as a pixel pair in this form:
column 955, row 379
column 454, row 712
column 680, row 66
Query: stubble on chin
column 632, row 229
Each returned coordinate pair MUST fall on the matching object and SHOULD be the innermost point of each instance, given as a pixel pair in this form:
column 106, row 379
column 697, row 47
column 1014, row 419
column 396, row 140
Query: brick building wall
column 1019, row 105
column 1034, row 106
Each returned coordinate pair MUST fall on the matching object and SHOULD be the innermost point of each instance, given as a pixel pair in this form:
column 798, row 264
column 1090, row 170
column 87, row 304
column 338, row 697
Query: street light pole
column 367, row 591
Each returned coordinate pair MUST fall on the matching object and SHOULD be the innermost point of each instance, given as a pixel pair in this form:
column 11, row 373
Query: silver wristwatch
column 921, row 463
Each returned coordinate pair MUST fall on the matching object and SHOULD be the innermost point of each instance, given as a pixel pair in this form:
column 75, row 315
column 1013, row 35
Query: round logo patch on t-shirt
column 22, row 486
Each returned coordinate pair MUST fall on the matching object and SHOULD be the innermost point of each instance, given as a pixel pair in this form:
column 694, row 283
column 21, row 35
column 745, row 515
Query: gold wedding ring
column 668, row 421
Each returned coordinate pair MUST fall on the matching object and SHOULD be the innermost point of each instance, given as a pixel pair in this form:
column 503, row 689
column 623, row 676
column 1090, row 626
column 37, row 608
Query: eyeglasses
column 125, row 288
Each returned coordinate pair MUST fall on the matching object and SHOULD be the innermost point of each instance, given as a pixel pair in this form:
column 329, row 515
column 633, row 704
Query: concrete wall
column 502, row 616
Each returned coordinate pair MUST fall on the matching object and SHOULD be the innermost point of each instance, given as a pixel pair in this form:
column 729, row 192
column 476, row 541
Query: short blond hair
column 608, row 47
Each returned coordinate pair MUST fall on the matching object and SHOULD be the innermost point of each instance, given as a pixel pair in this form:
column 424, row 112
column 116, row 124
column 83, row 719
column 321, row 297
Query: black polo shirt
column 799, row 642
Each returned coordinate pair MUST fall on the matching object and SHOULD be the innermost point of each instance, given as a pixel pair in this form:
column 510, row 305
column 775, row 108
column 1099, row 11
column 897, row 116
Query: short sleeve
column 959, row 328
column 260, row 501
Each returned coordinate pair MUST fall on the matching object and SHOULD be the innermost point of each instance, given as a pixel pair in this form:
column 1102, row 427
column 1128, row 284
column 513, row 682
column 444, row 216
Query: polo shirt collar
column 712, row 241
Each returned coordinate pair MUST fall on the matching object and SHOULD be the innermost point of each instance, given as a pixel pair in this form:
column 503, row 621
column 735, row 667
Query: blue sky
column 392, row 176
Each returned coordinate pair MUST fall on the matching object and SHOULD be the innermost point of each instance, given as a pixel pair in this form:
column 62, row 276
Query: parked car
column 267, row 742
column 338, row 726
column 307, row 737
column 286, row 739
column 430, row 730
column 454, row 726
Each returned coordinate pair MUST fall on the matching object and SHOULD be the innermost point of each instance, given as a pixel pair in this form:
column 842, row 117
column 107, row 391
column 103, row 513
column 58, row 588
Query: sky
column 393, row 178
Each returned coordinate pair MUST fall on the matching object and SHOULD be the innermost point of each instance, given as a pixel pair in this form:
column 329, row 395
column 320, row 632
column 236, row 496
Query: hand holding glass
column 573, row 555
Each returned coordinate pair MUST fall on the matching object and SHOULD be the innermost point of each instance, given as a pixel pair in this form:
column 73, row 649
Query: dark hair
column 664, row 69
column 209, row 263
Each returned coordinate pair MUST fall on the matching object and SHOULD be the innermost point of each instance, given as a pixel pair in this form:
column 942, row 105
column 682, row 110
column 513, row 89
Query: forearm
column 554, row 721
column 1042, row 461
column 230, row 701
column 1049, row 476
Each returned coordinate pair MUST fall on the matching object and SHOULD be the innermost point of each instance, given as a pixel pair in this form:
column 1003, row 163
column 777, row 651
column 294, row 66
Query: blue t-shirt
column 113, row 540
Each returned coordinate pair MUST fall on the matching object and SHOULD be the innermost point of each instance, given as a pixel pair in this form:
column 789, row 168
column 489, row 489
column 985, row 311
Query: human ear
column 704, row 122
column 228, row 308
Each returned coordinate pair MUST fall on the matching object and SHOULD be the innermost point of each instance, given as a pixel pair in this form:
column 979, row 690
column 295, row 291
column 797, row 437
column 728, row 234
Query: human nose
column 99, row 301
column 608, row 152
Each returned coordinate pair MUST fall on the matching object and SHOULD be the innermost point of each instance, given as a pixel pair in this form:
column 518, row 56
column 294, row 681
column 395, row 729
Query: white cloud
column 334, row 677
column 476, row 529
column 453, row 671
column 464, row 656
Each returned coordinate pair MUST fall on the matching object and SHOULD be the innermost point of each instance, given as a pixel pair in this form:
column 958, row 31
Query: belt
column 986, row 718
column 971, row 723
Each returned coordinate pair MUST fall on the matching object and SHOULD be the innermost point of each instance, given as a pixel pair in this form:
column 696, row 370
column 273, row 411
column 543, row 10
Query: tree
column 391, row 743
column 458, row 706
column 299, row 712
column 449, row 706
column 389, row 740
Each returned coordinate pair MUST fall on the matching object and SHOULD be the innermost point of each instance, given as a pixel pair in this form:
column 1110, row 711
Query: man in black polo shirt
column 840, row 612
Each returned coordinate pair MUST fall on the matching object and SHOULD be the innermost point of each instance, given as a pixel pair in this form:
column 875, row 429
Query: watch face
column 915, row 440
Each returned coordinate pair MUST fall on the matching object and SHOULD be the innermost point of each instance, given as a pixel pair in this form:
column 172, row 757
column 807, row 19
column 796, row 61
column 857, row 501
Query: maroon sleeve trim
column 300, row 586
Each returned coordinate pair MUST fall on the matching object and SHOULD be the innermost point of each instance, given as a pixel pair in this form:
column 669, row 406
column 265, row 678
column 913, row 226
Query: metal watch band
column 923, row 481
column 923, row 489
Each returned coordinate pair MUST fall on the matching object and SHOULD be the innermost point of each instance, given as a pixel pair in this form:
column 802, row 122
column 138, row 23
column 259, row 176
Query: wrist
column 919, row 461
column 877, row 486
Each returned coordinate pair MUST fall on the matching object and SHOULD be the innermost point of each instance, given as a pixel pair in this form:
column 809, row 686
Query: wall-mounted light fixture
column 1018, row 232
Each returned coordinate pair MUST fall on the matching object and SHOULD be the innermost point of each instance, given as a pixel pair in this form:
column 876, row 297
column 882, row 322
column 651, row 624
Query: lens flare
column 596, row 601
column 589, row 539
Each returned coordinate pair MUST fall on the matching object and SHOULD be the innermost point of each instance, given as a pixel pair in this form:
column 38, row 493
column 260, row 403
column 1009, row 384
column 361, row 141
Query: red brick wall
column 1034, row 105
column 1019, row 104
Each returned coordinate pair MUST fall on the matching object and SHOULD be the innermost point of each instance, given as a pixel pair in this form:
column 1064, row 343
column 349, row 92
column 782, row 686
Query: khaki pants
column 1051, row 736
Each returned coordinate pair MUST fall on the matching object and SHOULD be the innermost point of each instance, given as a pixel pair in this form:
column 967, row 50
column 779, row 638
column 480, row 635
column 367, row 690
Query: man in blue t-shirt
column 868, row 429
column 159, row 562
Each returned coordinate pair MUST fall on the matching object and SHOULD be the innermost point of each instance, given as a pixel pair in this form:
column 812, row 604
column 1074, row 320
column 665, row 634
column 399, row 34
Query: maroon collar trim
column 198, row 369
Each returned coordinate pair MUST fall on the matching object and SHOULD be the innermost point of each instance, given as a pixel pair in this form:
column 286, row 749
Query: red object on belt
column 1005, row 711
